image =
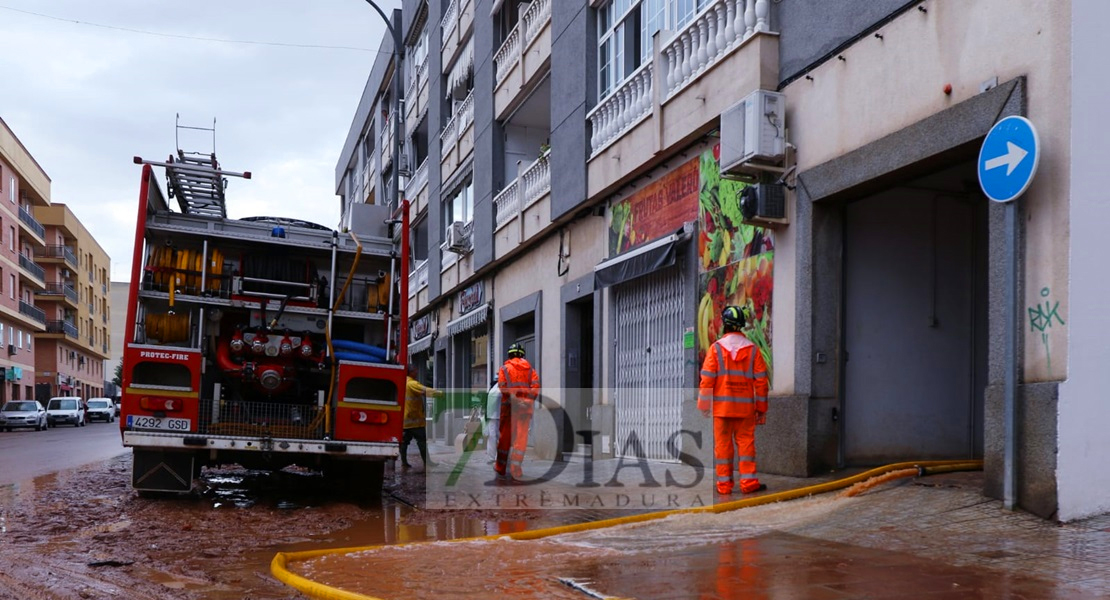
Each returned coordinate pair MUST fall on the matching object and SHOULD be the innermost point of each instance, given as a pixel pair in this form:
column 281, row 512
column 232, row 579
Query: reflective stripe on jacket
column 733, row 378
column 517, row 379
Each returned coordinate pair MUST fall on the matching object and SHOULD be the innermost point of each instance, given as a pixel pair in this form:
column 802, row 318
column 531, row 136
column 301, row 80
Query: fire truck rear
column 263, row 342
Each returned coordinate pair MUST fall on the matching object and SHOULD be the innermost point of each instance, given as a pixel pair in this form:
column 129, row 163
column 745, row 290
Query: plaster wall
column 1084, row 483
column 886, row 84
column 536, row 271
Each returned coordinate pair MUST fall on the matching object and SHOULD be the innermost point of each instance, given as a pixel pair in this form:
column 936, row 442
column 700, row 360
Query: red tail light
column 370, row 417
column 162, row 404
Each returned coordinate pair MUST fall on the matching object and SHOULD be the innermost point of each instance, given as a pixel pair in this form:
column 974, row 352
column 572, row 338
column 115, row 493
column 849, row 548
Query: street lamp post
column 398, row 102
column 395, row 178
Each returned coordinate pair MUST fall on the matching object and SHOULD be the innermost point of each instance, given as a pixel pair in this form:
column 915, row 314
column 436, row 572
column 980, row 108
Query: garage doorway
column 915, row 320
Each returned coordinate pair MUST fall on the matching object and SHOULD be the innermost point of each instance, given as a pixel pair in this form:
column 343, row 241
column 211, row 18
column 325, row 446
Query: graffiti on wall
column 736, row 259
column 1042, row 317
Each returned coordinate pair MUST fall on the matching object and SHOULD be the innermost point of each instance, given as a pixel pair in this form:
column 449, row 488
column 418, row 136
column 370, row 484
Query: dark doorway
column 915, row 315
column 579, row 372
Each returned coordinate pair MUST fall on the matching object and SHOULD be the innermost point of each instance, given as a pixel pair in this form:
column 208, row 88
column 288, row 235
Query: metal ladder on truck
column 195, row 178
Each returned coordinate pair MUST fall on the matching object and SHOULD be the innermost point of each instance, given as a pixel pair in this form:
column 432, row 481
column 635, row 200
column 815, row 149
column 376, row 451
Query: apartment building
column 24, row 186
column 71, row 351
column 573, row 186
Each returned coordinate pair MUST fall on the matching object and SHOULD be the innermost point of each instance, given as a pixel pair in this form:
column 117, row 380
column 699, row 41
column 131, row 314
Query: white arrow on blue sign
column 1008, row 159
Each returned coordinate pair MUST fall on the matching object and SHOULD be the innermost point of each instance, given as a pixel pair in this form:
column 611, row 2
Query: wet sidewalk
column 929, row 537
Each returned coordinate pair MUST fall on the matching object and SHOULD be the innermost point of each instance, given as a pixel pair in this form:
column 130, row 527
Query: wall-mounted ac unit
column 458, row 238
column 753, row 138
column 11, row 349
column 764, row 204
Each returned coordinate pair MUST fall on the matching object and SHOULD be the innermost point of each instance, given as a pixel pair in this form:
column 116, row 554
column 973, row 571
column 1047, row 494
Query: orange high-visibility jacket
column 517, row 379
column 733, row 378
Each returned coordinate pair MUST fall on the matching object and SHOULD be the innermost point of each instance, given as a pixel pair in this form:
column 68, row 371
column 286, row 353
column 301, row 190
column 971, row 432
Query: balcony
column 416, row 189
column 724, row 53
column 455, row 269
column 60, row 291
column 369, row 179
column 520, row 209
column 31, row 272
column 416, row 98
column 54, row 253
column 418, row 279
column 25, row 308
column 29, row 223
column 386, row 141
column 456, row 25
column 418, row 287
column 457, row 138
column 63, row 327
column 523, row 58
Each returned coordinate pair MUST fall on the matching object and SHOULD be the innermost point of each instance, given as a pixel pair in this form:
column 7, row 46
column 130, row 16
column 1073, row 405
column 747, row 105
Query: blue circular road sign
column 1008, row 159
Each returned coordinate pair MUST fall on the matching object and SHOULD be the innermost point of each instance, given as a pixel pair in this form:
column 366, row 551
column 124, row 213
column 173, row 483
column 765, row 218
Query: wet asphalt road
column 25, row 453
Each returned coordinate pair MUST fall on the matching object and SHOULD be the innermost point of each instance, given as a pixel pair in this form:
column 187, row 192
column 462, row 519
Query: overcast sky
column 86, row 97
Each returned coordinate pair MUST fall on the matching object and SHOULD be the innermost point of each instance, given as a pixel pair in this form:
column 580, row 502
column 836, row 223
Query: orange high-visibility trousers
column 512, row 439
column 738, row 431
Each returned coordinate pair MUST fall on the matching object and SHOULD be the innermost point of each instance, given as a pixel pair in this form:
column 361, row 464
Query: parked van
column 66, row 409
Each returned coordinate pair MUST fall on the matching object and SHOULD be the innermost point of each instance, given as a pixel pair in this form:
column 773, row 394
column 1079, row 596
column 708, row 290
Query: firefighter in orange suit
column 734, row 387
column 520, row 386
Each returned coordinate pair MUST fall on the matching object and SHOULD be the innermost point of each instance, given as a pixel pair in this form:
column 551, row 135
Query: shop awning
column 456, row 78
column 420, row 345
column 632, row 264
column 469, row 321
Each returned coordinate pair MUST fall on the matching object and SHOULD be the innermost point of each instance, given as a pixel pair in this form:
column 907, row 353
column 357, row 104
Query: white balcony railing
column 524, row 191
column 534, row 18
column 622, row 108
column 387, row 139
column 450, row 20
column 532, row 22
column 716, row 31
column 419, row 78
column 418, row 180
column 507, row 55
column 506, row 205
column 462, row 119
column 418, row 279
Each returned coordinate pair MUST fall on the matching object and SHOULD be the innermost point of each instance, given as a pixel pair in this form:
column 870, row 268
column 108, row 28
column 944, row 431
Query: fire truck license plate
column 138, row 422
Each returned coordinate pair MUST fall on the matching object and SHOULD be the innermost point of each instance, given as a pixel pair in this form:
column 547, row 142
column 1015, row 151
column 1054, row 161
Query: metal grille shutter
column 648, row 359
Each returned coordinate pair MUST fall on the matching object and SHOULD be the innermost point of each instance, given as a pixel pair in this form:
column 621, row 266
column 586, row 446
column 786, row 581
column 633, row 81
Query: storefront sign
column 657, row 210
column 421, row 327
column 471, row 297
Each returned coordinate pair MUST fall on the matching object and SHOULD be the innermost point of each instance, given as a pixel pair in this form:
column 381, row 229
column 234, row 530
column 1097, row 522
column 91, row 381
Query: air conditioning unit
column 458, row 238
column 11, row 349
column 764, row 204
column 753, row 138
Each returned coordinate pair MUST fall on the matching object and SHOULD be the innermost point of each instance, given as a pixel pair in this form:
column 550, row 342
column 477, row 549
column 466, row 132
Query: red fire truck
column 264, row 342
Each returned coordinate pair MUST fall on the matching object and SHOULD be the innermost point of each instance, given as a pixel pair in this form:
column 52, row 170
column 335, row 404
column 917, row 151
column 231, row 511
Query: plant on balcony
column 544, row 149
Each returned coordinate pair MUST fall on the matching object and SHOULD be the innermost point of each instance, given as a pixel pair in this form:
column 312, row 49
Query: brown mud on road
column 86, row 534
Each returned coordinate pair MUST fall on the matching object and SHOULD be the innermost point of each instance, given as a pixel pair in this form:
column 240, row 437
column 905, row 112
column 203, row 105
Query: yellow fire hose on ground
column 855, row 484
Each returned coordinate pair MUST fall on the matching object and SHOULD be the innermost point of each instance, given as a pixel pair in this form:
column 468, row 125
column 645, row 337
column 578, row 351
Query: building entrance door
column 914, row 326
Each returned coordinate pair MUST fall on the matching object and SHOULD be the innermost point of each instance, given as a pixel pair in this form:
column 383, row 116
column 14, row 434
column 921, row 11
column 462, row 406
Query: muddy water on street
column 771, row 565
column 92, row 536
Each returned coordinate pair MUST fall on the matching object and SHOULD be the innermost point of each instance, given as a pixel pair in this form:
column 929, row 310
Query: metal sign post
column 1008, row 160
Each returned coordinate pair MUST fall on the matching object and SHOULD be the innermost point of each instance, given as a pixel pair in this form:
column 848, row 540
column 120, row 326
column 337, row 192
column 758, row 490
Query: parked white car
column 23, row 413
column 102, row 409
column 65, row 409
